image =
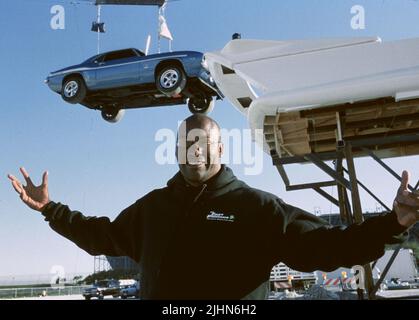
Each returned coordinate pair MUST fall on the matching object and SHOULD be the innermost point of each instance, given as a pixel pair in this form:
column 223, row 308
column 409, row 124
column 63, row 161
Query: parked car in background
column 102, row 288
column 122, row 79
column 129, row 288
column 396, row 284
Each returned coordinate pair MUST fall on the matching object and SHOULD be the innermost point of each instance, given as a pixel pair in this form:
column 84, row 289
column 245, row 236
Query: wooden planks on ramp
column 384, row 120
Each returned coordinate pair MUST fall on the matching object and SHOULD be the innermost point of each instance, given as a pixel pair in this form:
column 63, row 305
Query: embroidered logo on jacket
column 214, row 216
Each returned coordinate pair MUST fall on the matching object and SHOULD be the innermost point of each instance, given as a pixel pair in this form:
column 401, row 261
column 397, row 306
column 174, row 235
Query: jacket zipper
column 204, row 186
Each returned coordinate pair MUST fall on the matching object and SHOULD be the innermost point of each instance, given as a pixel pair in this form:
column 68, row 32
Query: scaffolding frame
column 350, row 208
column 101, row 264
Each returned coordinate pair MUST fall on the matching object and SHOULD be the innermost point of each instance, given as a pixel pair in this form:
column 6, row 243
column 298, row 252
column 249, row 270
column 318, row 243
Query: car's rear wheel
column 171, row 80
column 112, row 115
column 73, row 90
column 201, row 104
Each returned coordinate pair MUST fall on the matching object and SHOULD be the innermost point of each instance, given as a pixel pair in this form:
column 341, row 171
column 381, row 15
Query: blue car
column 117, row 80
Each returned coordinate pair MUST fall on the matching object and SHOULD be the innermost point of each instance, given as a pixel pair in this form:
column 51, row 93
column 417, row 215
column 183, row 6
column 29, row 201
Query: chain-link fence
column 12, row 293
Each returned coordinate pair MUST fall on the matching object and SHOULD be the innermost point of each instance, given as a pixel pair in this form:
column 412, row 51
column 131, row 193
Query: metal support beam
column 311, row 185
column 372, row 293
column 370, row 192
column 301, row 159
column 283, row 174
column 344, row 205
column 348, row 209
column 327, row 196
column 319, row 163
column 411, row 138
column 356, row 203
column 372, row 155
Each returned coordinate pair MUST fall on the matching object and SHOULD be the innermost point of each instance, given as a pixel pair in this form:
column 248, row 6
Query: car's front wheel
column 201, row 104
column 171, row 80
column 112, row 115
column 73, row 90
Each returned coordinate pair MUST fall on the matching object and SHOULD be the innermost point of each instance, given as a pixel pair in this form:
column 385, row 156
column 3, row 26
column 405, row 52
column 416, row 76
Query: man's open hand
column 406, row 204
column 35, row 197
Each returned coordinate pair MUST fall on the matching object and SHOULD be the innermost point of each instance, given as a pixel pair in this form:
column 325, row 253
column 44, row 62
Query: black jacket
column 221, row 240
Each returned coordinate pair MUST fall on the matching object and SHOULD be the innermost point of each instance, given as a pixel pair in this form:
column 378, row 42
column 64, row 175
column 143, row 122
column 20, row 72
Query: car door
column 147, row 66
column 117, row 69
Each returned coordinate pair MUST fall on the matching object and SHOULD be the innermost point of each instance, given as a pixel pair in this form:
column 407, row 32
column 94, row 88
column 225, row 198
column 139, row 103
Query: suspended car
column 122, row 79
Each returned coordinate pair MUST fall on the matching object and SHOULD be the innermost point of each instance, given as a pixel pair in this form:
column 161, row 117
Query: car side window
column 99, row 59
column 117, row 55
column 139, row 53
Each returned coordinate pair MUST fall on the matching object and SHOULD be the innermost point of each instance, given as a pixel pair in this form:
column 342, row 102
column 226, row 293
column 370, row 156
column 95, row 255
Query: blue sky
column 99, row 168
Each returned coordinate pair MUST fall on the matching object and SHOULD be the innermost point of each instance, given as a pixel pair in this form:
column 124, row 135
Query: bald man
column 208, row 235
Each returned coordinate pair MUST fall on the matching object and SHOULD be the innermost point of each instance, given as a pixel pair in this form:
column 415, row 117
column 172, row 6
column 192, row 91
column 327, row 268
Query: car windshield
column 91, row 59
column 106, row 283
column 102, row 283
column 139, row 52
column 115, row 55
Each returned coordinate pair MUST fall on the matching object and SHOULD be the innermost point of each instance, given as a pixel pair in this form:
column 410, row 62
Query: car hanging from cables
column 123, row 79
column 129, row 78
